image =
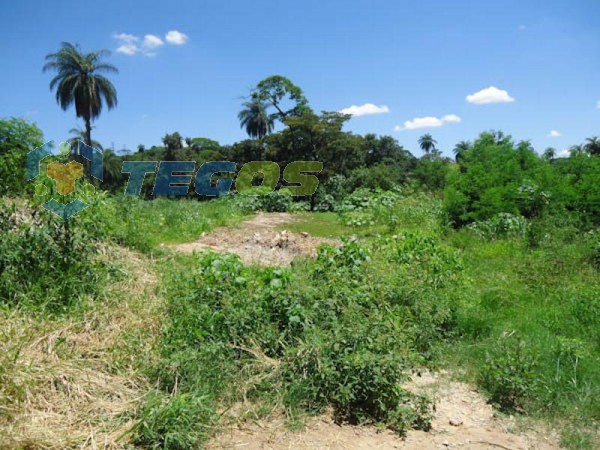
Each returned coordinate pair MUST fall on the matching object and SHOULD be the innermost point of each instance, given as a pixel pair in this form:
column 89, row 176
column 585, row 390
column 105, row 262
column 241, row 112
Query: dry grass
column 72, row 382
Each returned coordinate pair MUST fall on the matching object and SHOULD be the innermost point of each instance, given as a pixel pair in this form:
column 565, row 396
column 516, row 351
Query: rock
column 304, row 234
column 456, row 422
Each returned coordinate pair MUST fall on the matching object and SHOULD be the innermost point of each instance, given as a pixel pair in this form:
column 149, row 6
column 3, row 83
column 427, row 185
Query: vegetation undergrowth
column 342, row 331
column 530, row 328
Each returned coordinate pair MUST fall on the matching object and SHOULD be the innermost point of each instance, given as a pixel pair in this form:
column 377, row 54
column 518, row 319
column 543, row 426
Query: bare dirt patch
column 261, row 240
column 462, row 419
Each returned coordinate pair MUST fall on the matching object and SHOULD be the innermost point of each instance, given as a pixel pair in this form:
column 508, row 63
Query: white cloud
column 176, row 37
column 490, row 95
column 151, row 41
column 128, row 49
column 427, row 122
column 564, row 154
column 130, row 44
column 126, row 38
column 451, row 118
column 598, row 104
column 554, row 134
column 365, row 110
column 522, row 27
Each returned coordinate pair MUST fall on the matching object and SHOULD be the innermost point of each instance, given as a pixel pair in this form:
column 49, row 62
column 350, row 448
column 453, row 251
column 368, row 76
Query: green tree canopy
column 80, row 82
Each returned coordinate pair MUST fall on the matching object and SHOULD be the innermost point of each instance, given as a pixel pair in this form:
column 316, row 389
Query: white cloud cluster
column 365, row 110
column 427, row 122
column 485, row 96
column 129, row 44
column 176, row 37
column 490, row 95
column 554, row 134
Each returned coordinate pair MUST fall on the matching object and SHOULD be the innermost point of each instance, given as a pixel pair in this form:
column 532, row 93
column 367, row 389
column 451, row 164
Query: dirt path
column 462, row 420
column 260, row 240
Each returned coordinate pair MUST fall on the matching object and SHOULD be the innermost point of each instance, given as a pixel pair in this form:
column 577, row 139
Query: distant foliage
column 17, row 138
column 496, row 176
column 269, row 202
column 399, row 207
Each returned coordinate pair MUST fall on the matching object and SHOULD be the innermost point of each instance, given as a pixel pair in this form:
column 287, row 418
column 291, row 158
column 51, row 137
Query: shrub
column 44, row 262
column 392, row 209
column 340, row 331
column 275, row 201
column 509, row 373
column 17, row 138
column 503, row 225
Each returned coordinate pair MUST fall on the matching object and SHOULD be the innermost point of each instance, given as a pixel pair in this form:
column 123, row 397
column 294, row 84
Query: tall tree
column 80, row 82
column 172, row 142
column 592, row 146
column 427, row 143
column 460, row 149
column 549, row 154
column 275, row 90
column 255, row 119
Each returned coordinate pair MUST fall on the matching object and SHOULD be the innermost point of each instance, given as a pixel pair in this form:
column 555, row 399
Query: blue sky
column 418, row 59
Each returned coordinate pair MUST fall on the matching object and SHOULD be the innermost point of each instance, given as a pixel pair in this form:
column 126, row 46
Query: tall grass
column 530, row 327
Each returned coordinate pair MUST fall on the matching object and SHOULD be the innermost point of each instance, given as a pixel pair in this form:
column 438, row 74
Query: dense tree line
column 492, row 175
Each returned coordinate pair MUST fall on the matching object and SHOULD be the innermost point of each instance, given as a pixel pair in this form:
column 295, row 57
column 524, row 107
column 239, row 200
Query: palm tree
column 460, row 149
column 592, row 146
column 549, row 154
column 427, row 143
column 111, row 166
column 77, row 134
column 79, row 81
column 255, row 119
column 577, row 150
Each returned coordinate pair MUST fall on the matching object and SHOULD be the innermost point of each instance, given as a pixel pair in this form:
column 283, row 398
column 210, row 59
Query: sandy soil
column 260, row 240
column 462, row 420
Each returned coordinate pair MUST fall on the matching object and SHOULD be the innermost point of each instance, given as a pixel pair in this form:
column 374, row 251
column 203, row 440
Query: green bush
column 275, row 201
column 495, row 176
column 503, row 225
column 509, row 373
column 46, row 263
column 340, row 331
column 398, row 208
column 17, row 138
